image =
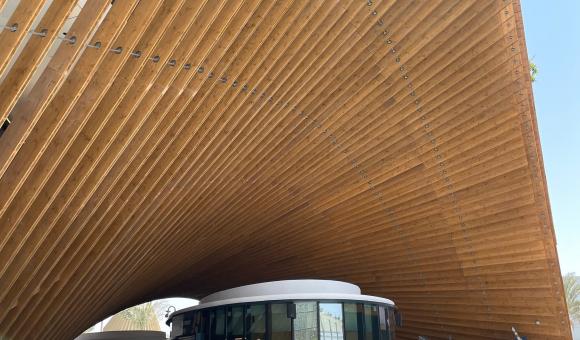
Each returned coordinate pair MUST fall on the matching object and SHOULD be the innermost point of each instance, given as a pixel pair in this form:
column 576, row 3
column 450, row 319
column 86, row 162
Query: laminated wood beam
column 33, row 53
column 130, row 70
column 56, row 112
column 28, row 110
column 19, row 23
column 150, row 37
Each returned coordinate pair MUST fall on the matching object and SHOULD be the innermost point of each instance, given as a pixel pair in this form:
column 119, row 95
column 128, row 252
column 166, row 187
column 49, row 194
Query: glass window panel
column 195, row 322
column 280, row 324
column 391, row 322
column 236, row 323
column 187, row 322
column 200, row 320
column 331, row 325
column 256, row 322
column 177, row 325
column 371, row 322
column 383, row 323
column 353, row 321
column 218, row 324
column 306, row 322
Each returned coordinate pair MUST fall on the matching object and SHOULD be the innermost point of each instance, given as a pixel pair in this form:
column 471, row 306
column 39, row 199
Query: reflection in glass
column 384, row 329
column 217, row 324
column 236, row 323
column 371, row 322
column 353, row 321
column 178, row 326
column 331, row 325
column 200, row 324
column 306, row 322
column 256, row 322
column 280, row 323
column 391, row 322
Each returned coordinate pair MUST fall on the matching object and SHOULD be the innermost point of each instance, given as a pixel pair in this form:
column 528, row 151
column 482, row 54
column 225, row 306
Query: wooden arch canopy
column 181, row 147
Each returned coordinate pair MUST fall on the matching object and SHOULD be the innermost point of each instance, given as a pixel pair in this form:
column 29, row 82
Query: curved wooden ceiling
column 208, row 144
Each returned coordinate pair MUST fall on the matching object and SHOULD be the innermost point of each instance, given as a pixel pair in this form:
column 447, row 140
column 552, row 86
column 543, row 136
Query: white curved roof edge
column 284, row 287
column 284, row 291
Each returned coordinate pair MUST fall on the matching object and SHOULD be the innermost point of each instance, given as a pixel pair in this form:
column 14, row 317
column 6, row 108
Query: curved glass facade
column 287, row 320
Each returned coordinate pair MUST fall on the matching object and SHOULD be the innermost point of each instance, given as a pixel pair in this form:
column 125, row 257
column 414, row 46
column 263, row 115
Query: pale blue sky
column 553, row 41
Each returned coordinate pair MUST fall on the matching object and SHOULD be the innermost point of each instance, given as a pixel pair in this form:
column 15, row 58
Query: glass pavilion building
column 288, row 310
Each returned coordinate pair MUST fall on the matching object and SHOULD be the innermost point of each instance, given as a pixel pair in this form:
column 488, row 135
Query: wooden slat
column 22, row 17
column 167, row 12
column 47, row 85
column 34, row 51
column 392, row 144
column 60, row 106
column 150, row 38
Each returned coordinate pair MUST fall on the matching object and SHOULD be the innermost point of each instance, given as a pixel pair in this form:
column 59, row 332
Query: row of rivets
column 97, row 45
column 378, row 195
column 438, row 157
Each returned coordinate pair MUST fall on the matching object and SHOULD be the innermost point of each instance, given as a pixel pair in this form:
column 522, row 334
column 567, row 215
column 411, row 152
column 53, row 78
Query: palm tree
column 533, row 70
column 572, row 291
column 141, row 317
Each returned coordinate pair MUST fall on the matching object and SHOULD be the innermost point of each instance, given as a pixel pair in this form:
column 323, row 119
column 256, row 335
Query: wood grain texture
column 392, row 144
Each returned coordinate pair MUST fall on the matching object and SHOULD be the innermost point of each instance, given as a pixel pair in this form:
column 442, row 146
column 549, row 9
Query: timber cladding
column 182, row 147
